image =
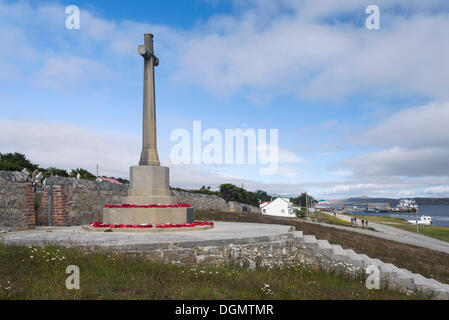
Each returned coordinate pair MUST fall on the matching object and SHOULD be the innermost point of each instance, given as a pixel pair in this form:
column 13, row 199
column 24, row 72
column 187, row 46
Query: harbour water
column 439, row 214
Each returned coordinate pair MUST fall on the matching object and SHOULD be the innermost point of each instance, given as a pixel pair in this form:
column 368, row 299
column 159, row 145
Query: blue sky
column 359, row 112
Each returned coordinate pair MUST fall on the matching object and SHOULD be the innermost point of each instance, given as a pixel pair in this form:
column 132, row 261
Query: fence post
column 50, row 206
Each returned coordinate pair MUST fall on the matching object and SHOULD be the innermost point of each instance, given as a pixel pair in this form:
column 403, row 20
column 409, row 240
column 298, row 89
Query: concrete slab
column 223, row 234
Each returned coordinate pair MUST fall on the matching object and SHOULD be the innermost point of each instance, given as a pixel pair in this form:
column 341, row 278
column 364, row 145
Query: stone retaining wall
column 200, row 201
column 212, row 202
column 79, row 202
column 234, row 206
column 285, row 252
column 16, row 202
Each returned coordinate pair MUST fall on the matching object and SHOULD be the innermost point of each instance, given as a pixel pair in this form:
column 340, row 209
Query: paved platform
column 223, row 233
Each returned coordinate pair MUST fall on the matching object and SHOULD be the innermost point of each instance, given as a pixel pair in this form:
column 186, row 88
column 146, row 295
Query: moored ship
column 407, row 205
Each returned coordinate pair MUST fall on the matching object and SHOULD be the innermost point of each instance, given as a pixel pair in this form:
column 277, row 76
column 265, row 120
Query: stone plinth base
column 148, row 230
column 148, row 215
column 149, row 185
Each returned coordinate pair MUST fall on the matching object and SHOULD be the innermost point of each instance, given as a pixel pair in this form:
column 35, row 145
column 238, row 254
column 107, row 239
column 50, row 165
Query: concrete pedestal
column 149, row 185
column 148, row 215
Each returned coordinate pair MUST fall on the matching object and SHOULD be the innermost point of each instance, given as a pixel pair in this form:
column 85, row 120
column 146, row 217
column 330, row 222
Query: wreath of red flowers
column 121, row 226
column 125, row 205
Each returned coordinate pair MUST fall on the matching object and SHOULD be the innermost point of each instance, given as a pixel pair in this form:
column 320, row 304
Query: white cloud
column 399, row 161
column 416, row 127
column 62, row 145
column 67, row 72
column 342, row 173
column 291, row 47
column 416, row 141
column 366, row 189
column 438, row 190
column 287, row 171
column 286, row 156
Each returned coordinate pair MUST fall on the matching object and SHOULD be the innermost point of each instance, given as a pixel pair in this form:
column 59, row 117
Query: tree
column 263, row 195
column 16, row 162
column 54, row 172
column 230, row 192
column 301, row 200
column 83, row 173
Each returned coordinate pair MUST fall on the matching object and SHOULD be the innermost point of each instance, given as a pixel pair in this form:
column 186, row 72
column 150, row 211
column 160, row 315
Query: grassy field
column 429, row 263
column 326, row 218
column 36, row 273
column 441, row 233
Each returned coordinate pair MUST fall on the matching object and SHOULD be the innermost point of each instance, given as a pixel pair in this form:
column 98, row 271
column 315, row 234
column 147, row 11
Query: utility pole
column 417, row 224
column 307, row 206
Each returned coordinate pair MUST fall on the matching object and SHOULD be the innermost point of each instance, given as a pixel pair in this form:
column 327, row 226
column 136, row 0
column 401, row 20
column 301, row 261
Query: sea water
column 439, row 214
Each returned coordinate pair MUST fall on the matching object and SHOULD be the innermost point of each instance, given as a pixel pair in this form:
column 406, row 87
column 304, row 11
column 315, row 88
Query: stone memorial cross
column 149, row 155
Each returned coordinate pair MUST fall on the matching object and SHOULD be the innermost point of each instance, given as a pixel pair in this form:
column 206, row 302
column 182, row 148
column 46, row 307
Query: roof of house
column 111, row 180
column 264, row 204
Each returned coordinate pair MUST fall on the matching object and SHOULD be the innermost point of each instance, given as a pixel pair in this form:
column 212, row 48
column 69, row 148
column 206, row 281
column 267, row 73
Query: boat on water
column 426, row 220
column 406, row 205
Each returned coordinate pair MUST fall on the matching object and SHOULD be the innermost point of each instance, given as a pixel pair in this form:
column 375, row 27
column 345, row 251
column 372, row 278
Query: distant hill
column 394, row 202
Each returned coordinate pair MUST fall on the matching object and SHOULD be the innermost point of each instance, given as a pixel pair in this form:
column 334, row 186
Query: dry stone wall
column 78, row 202
column 16, row 202
column 82, row 201
column 212, row 202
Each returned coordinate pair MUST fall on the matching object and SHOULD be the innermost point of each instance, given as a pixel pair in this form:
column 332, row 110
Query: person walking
column 363, row 223
column 366, row 223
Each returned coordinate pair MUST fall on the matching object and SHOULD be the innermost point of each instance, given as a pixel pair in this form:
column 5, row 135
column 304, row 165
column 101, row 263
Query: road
column 396, row 234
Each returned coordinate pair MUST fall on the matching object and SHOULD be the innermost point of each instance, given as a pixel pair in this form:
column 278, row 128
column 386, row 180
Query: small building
column 280, row 207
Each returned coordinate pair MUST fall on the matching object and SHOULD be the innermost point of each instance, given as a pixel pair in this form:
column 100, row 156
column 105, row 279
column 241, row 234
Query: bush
column 300, row 213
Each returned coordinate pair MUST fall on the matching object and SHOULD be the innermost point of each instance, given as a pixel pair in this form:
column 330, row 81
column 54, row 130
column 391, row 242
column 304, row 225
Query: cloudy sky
column 359, row 112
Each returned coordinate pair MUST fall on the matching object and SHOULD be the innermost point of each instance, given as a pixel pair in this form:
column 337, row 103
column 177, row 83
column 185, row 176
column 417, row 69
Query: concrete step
column 354, row 258
column 338, row 253
column 404, row 278
column 324, row 247
column 438, row 284
column 439, row 290
column 389, row 270
column 324, row 244
column 367, row 261
column 422, row 284
column 310, row 241
column 298, row 235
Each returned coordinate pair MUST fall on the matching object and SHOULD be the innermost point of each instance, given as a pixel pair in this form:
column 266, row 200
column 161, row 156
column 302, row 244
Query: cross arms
column 147, row 54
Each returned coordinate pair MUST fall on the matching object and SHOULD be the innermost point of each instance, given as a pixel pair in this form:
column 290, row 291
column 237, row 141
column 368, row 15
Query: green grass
column 379, row 219
column 39, row 273
column 327, row 218
column 440, row 233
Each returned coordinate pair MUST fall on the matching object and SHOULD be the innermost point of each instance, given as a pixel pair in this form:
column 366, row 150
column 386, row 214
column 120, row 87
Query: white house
column 280, row 207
